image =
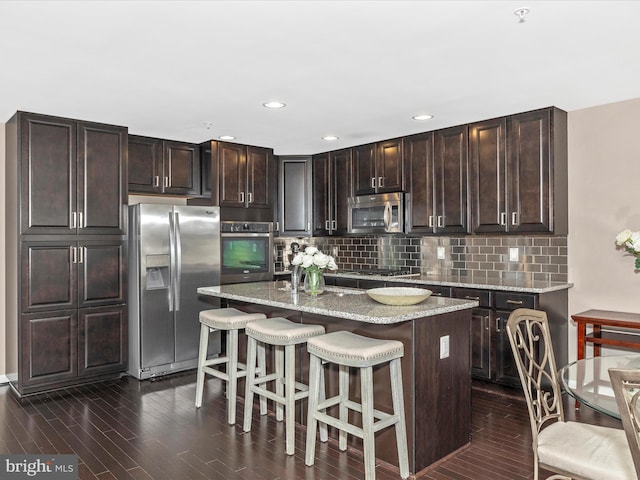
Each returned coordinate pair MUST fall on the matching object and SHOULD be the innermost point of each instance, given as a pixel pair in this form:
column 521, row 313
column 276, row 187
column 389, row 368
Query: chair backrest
column 528, row 332
column 626, row 387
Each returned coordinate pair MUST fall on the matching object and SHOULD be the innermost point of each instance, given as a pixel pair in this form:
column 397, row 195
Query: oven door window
column 242, row 255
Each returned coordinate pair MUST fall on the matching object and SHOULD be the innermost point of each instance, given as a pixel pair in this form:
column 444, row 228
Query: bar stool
column 347, row 350
column 284, row 335
column 232, row 321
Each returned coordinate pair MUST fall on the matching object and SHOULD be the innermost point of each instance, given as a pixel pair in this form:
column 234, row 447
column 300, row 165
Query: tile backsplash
column 479, row 257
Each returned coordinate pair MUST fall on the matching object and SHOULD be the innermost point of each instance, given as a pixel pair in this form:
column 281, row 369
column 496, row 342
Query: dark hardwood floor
column 126, row 429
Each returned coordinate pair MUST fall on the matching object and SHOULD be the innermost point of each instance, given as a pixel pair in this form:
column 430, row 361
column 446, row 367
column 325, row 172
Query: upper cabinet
column 331, row 191
column 72, row 176
column 518, row 173
column 241, row 179
column 159, row 166
column 294, row 196
column 436, row 166
column 378, row 168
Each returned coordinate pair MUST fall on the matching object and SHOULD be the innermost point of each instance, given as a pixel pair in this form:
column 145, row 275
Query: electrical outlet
column 334, row 251
column 514, row 255
column 440, row 253
column 444, row 347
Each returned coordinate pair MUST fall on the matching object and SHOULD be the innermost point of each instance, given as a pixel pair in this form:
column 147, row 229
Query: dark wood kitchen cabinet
column 294, row 196
column 159, row 166
column 378, row 167
column 331, row 192
column 241, row 179
column 518, row 173
column 66, row 251
column 436, row 170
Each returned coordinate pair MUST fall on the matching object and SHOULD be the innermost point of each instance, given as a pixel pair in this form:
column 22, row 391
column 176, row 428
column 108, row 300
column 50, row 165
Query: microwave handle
column 387, row 216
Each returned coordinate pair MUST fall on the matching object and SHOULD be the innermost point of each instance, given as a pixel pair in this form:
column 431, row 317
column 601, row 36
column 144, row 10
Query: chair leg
column 368, row 436
column 202, row 357
column 262, row 366
column 290, row 398
column 232, row 374
column 343, row 382
column 280, row 372
column 398, row 410
column 324, row 431
column 249, row 382
column 315, row 373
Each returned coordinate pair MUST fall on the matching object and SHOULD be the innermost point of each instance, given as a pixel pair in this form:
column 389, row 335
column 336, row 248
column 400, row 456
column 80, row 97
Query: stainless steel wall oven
column 246, row 252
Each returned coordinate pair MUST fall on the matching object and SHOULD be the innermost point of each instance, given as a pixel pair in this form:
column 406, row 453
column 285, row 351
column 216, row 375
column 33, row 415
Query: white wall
column 2, row 263
column 604, row 199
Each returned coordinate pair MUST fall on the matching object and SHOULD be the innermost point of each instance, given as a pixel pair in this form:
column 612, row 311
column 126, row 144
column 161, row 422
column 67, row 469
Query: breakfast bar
column 435, row 368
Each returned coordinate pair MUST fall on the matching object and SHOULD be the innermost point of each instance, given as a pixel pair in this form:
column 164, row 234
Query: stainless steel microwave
column 380, row 213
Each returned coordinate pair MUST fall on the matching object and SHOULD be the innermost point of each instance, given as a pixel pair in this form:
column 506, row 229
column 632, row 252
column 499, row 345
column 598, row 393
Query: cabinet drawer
column 439, row 291
column 482, row 296
column 511, row 301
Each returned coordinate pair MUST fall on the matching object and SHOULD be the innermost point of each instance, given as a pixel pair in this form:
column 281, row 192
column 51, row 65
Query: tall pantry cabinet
column 66, row 253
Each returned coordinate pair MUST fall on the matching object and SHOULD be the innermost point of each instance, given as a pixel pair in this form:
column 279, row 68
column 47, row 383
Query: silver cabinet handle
column 469, row 297
column 80, row 220
column 380, row 182
column 74, row 255
column 486, row 322
column 431, row 221
column 334, row 225
column 73, row 220
column 515, row 302
column 156, row 181
column 503, row 218
column 82, row 254
column 498, row 324
column 241, row 194
column 440, row 221
column 326, row 225
column 514, row 218
column 166, row 181
column 249, row 197
column 373, row 182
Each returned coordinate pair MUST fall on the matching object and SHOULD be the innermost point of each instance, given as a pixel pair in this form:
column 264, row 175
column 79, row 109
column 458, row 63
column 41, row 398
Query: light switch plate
column 444, row 346
column 514, row 255
column 440, row 253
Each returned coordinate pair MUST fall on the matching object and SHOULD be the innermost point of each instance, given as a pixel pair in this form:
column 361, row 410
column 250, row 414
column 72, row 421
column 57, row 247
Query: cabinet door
column 260, row 181
column 145, row 164
column 450, row 160
column 101, row 183
column 295, row 196
column 49, row 347
column 48, row 174
column 506, row 369
column 364, row 165
column 48, row 276
column 232, row 160
column 488, row 176
column 340, row 190
column 321, row 190
column 481, row 343
column 389, row 166
column 102, row 340
column 529, row 166
column 418, row 152
column 102, row 273
column 181, row 168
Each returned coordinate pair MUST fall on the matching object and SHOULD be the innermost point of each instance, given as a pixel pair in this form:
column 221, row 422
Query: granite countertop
column 511, row 285
column 341, row 302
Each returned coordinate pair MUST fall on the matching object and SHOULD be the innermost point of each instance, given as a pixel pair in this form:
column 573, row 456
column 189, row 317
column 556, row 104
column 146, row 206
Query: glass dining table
column 587, row 380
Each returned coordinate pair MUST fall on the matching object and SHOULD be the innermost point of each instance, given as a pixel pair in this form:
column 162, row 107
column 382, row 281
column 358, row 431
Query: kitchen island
column 437, row 382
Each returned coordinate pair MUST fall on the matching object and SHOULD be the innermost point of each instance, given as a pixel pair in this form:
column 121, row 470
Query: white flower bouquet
column 631, row 243
column 312, row 261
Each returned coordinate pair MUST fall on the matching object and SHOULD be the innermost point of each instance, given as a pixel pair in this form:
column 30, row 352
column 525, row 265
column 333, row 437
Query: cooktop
column 385, row 272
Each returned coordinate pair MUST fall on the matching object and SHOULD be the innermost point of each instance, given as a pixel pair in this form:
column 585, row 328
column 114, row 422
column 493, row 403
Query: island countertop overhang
column 351, row 304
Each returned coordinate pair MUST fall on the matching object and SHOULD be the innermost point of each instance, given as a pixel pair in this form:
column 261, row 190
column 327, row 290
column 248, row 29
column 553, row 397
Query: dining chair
column 571, row 450
column 626, row 387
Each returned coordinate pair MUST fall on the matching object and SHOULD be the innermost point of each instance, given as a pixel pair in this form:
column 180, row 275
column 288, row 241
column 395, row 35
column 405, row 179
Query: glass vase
column 313, row 282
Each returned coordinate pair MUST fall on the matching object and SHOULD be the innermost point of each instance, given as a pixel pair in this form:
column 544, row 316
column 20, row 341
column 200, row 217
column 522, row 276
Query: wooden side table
column 606, row 318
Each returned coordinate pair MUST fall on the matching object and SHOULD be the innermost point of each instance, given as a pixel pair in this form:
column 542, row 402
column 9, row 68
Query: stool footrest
column 279, row 398
column 384, row 419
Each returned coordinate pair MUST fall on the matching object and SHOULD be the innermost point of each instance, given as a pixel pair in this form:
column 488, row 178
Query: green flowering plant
column 630, row 241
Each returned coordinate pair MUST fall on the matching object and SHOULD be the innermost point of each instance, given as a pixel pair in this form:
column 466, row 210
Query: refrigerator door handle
column 172, row 261
column 178, row 261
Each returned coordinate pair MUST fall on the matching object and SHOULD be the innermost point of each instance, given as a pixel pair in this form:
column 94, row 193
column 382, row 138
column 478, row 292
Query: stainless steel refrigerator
column 173, row 250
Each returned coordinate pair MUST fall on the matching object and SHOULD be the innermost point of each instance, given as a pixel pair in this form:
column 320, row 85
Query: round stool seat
column 346, row 348
column 228, row 318
column 280, row 331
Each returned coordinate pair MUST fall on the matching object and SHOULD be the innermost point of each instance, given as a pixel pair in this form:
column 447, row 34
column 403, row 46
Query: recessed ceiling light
column 330, row 137
column 274, row 104
column 227, row 137
column 422, row 117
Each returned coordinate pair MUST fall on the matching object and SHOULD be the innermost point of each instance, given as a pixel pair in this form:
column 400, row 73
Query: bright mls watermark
column 50, row 467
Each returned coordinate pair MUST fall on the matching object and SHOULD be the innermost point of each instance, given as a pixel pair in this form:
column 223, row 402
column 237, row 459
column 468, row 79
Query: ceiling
column 356, row 69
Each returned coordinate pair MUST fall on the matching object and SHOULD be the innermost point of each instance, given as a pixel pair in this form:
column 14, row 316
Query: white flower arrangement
column 631, row 243
column 313, row 259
